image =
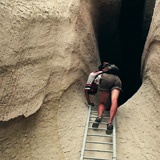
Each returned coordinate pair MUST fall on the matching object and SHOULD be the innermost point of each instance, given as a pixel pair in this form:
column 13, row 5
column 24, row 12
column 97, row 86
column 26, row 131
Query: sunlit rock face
column 151, row 55
column 45, row 48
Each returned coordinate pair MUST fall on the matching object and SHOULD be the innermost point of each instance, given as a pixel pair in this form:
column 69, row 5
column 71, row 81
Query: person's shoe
column 109, row 128
column 96, row 122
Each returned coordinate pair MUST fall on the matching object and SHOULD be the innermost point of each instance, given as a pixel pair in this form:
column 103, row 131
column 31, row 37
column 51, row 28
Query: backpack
column 112, row 69
column 94, row 87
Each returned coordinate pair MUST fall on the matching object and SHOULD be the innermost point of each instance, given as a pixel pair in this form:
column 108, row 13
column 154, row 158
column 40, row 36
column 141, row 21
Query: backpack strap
column 112, row 69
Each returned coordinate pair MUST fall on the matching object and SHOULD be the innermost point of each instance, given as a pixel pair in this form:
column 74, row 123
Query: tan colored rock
column 44, row 49
column 47, row 50
column 138, row 119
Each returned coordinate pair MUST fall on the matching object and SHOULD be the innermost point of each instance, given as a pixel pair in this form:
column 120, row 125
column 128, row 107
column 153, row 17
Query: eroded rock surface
column 138, row 119
column 47, row 50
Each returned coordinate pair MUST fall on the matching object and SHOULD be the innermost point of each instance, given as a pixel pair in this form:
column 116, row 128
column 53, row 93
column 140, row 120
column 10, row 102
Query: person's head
column 103, row 66
column 105, row 63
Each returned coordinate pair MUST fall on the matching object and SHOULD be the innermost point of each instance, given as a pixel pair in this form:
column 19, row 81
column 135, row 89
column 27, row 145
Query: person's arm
column 88, row 85
column 88, row 98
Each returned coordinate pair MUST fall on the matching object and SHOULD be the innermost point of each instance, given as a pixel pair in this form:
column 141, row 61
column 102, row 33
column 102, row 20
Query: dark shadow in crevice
column 122, row 41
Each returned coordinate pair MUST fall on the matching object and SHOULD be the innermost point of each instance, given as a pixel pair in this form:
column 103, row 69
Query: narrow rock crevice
column 121, row 29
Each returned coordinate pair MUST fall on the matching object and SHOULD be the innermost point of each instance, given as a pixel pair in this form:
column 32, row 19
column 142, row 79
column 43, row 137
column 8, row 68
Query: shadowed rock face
column 47, row 50
column 121, row 28
column 138, row 119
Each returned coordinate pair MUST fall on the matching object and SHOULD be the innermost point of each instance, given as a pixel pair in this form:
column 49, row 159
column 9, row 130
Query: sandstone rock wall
column 148, row 13
column 138, row 119
column 47, row 50
column 45, row 47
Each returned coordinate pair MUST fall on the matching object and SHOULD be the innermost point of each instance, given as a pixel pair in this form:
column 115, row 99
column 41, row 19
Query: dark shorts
column 109, row 82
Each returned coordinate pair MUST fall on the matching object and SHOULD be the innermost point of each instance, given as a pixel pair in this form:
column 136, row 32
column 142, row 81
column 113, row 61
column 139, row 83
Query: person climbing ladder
column 109, row 82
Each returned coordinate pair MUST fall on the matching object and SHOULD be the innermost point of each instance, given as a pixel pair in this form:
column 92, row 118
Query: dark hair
column 112, row 68
column 102, row 66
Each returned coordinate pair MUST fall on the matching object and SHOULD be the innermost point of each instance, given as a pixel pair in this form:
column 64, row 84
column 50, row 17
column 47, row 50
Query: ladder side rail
column 85, row 133
column 114, row 139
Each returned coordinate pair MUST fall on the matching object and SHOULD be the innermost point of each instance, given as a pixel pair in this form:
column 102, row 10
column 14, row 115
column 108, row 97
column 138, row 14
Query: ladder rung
column 96, row 142
column 100, row 135
column 97, row 128
column 97, row 122
column 94, row 116
column 96, row 150
column 95, row 107
column 95, row 158
column 93, row 111
column 109, row 139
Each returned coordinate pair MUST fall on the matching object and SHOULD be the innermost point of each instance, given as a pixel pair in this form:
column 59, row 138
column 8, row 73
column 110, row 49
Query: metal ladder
column 97, row 145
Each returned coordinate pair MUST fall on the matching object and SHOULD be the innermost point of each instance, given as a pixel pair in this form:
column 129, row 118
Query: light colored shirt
column 93, row 77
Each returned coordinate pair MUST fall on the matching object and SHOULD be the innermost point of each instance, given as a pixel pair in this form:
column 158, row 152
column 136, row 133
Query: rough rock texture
column 148, row 12
column 45, row 47
column 105, row 14
column 138, row 119
column 47, row 50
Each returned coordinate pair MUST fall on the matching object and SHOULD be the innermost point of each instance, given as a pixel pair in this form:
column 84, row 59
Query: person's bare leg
column 103, row 99
column 114, row 104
